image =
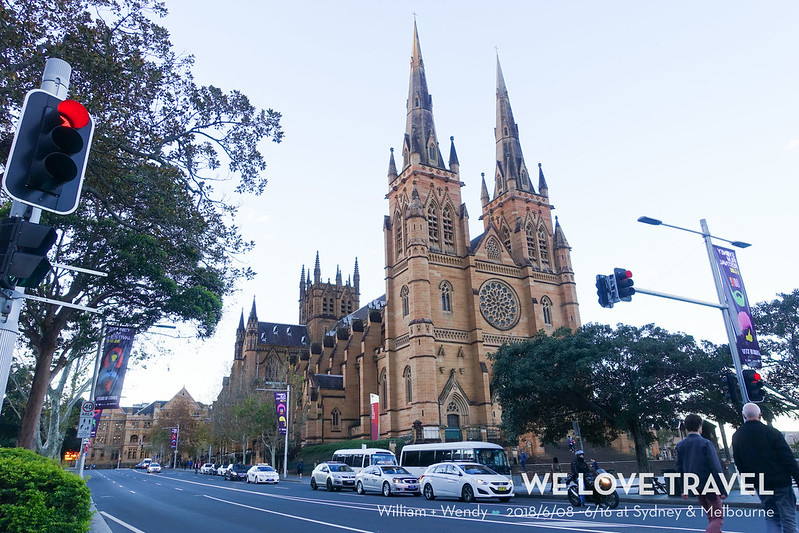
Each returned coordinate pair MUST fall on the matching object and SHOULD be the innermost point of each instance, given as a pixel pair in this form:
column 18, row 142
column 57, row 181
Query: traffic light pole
column 722, row 305
column 55, row 80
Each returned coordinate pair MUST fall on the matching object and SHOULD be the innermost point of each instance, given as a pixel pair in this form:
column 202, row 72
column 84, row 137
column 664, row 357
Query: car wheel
column 386, row 489
column 467, row 493
column 428, row 492
column 329, row 485
column 248, row 480
column 359, row 488
column 313, row 484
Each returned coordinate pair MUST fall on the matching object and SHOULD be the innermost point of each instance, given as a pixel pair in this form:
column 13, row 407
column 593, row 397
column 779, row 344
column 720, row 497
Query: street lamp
column 723, row 306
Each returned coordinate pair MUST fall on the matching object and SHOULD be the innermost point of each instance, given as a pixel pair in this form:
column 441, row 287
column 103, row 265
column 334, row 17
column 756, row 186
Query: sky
column 678, row 110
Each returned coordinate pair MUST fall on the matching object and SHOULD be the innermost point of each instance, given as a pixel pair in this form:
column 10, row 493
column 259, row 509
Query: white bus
column 417, row 457
column 360, row 458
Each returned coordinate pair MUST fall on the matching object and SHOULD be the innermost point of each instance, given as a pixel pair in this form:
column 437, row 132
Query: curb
column 98, row 522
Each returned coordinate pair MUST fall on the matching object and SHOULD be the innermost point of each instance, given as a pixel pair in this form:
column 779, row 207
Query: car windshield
column 240, row 468
column 394, row 470
column 492, row 458
column 340, row 468
column 383, row 459
column 154, row 464
column 265, row 469
column 478, row 470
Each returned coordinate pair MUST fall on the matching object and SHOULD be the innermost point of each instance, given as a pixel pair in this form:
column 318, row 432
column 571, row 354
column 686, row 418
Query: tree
column 628, row 380
column 777, row 327
column 150, row 215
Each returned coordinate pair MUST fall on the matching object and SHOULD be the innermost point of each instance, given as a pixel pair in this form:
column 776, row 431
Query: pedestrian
column 554, row 468
column 594, row 465
column 571, row 444
column 762, row 450
column 523, row 459
column 697, row 455
column 299, row 468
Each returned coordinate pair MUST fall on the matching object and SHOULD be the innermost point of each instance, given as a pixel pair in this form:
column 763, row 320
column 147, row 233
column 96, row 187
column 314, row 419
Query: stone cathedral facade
column 451, row 299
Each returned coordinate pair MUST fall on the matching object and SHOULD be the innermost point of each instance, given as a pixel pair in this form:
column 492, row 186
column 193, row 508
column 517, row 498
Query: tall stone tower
column 323, row 304
column 451, row 300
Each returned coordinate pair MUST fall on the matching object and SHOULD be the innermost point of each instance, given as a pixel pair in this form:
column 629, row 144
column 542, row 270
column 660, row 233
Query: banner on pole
column 280, row 405
column 173, row 440
column 113, row 365
column 374, row 410
column 735, row 294
column 97, row 414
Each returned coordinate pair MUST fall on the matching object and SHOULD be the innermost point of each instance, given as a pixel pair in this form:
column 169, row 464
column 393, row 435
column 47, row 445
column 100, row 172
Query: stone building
column 124, row 434
column 451, row 299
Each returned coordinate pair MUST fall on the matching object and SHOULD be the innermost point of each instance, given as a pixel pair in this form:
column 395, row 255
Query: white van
column 360, row 458
column 415, row 458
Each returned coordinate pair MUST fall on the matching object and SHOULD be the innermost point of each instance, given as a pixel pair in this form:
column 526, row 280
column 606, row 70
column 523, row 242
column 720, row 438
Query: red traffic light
column 73, row 114
column 756, row 376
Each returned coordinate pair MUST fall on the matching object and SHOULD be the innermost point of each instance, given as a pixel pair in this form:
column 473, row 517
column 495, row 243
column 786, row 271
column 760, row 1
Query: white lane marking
column 178, row 488
column 289, row 515
column 133, row 492
column 121, row 523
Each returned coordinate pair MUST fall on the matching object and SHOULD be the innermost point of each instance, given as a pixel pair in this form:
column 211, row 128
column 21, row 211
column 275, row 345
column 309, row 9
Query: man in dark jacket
column 697, row 455
column 762, row 450
column 580, row 466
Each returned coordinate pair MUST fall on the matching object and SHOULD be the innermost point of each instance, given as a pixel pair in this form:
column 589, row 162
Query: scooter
column 611, row 501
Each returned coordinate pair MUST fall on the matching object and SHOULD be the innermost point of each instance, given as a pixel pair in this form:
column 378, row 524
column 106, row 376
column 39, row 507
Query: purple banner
column 113, row 365
column 96, row 422
column 173, row 440
column 745, row 339
column 280, row 405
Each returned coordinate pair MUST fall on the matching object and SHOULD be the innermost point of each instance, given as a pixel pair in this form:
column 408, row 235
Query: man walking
column 762, row 450
column 696, row 455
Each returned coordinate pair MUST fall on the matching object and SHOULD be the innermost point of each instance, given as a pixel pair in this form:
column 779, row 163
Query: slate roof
column 362, row 313
column 329, row 381
column 283, row 334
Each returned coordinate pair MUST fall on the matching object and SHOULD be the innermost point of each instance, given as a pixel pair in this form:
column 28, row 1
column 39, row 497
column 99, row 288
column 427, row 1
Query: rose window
column 499, row 304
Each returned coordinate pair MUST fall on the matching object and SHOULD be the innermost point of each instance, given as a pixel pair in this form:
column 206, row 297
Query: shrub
column 37, row 495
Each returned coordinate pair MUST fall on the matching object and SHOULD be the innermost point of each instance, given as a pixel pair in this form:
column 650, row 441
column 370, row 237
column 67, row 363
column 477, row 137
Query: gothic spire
column 511, row 170
column 241, row 321
column 542, row 183
column 560, row 237
column 317, row 270
column 484, row 198
column 356, row 278
column 421, row 142
column 302, row 281
column 253, row 314
column 453, row 156
column 392, row 168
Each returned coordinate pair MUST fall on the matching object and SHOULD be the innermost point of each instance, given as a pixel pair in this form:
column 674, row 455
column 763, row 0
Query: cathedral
column 450, row 299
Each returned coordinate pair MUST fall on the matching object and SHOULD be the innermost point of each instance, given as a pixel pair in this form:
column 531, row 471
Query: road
column 180, row 501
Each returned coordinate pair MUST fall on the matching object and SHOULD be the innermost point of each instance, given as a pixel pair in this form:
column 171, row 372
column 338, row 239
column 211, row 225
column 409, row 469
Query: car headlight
column 482, row 482
column 397, row 480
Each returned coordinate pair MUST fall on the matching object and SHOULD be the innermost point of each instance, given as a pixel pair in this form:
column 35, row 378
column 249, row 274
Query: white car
column 387, row 479
column 333, row 475
column 222, row 470
column 153, row 468
column 467, row 481
column 207, row 468
column 262, row 474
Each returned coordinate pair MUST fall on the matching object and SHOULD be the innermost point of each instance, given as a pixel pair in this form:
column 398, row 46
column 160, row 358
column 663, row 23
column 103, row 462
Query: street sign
column 85, row 425
column 87, row 407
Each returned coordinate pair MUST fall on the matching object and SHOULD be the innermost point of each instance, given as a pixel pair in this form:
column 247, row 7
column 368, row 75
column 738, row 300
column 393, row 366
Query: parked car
column 237, row 472
column 153, row 468
column 467, row 481
column 333, row 475
column 207, row 468
column 222, row 470
column 262, row 474
column 388, row 479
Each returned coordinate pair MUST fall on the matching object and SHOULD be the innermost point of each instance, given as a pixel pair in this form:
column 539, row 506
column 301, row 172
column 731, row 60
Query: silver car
column 467, row 481
column 333, row 475
column 387, row 479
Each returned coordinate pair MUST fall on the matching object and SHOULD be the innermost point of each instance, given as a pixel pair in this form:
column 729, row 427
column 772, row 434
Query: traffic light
column 48, row 158
column 733, row 391
column 603, row 290
column 624, row 283
column 23, row 252
column 754, row 385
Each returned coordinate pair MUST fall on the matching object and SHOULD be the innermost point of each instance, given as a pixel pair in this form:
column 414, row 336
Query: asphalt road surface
column 182, row 502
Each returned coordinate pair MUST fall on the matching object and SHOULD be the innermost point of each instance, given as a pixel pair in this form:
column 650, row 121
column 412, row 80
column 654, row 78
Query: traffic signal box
column 754, row 385
column 48, row 158
column 733, row 393
column 23, row 252
column 604, row 291
column 624, row 284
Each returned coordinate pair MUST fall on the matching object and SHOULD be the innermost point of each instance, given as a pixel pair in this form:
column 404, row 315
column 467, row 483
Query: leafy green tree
column 777, row 327
column 610, row 381
column 150, row 214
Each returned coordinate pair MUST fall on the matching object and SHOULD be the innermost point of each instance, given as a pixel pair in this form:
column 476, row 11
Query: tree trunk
column 29, row 426
column 640, row 449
